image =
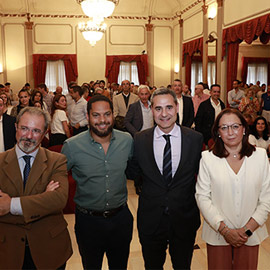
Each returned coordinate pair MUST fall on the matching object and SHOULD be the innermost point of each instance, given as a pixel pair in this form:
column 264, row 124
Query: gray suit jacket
column 134, row 118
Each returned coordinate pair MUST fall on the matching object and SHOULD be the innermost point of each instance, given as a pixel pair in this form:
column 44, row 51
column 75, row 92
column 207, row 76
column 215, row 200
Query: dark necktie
column 126, row 99
column 167, row 160
column 27, row 169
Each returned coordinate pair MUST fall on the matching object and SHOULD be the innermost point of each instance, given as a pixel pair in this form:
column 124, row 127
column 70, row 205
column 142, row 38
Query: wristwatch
column 248, row 232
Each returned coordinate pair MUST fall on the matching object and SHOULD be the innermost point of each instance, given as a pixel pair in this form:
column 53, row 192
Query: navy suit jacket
column 188, row 112
column 156, row 195
column 9, row 131
column 134, row 118
column 205, row 118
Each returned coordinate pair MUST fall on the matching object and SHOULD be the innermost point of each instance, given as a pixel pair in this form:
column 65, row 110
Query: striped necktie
column 167, row 160
column 27, row 169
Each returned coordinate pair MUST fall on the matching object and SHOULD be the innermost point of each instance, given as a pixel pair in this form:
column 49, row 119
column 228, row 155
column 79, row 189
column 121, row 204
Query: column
column 181, row 75
column 29, row 51
column 150, row 47
column 205, row 45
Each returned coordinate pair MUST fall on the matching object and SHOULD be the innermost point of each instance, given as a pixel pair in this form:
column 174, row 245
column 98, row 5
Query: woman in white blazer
column 233, row 194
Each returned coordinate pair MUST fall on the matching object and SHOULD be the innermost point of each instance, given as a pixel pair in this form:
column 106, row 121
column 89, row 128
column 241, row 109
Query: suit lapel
column 39, row 166
column 184, row 150
column 12, row 170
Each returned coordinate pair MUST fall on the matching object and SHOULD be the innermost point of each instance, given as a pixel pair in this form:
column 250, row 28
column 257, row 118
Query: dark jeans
column 28, row 261
column 97, row 235
column 154, row 247
column 79, row 130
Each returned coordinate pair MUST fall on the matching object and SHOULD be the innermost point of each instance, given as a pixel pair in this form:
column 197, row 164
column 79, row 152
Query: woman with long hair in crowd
column 259, row 136
column 59, row 124
column 7, row 103
column 37, row 96
column 24, row 101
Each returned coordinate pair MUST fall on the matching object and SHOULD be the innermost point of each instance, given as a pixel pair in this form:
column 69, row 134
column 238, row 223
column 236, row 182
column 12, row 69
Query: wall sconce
column 1, row 68
column 176, row 68
column 212, row 11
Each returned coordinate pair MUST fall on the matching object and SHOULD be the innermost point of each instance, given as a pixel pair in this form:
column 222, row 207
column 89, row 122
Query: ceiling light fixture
column 92, row 31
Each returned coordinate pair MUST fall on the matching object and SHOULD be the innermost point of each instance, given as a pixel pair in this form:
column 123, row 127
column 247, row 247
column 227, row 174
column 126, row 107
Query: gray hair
column 164, row 91
column 35, row 111
column 142, row 86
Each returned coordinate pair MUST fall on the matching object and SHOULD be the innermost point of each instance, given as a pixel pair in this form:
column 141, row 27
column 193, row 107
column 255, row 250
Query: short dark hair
column 164, row 91
column 42, row 86
column 97, row 98
column 7, row 83
column 218, row 147
column 70, row 84
column 2, row 86
column 215, row 85
column 265, row 131
column 27, row 84
column 77, row 88
column 102, row 81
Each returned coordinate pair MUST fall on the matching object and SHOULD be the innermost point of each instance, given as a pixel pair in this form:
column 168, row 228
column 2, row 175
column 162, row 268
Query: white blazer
column 215, row 197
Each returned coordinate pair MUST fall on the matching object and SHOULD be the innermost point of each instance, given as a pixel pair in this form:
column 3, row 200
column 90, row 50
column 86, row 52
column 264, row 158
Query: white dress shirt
column 15, row 205
column 147, row 115
column 180, row 109
column 159, row 144
column 79, row 112
column 216, row 107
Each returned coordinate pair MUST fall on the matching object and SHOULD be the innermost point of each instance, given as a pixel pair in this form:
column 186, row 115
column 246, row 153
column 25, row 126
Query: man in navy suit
column 207, row 113
column 139, row 116
column 7, row 129
column 168, row 215
column 185, row 105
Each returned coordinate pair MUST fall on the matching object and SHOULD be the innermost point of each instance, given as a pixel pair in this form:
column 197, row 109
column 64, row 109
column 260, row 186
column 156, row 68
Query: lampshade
column 98, row 9
column 92, row 31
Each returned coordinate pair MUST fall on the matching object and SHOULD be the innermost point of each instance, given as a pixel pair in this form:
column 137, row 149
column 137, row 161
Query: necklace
column 235, row 155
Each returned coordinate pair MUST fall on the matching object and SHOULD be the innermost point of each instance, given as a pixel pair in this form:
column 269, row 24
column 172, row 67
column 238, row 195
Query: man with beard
column 33, row 192
column 98, row 159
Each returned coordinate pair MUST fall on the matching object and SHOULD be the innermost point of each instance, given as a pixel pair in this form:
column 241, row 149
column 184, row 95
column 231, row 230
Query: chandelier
column 97, row 10
column 92, row 31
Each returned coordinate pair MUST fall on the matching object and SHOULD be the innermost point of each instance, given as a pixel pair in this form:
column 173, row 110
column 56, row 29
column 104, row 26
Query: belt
column 105, row 214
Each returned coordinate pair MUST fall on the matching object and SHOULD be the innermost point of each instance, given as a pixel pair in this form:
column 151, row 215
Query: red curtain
column 249, row 60
column 247, row 31
column 40, row 63
column 189, row 49
column 113, row 64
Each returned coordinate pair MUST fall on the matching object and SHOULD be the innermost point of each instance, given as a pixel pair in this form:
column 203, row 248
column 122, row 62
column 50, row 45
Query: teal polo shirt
column 100, row 178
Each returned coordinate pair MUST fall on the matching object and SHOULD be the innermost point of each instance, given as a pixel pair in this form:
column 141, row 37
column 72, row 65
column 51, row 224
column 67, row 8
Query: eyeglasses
column 34, row 131
column 225, row 128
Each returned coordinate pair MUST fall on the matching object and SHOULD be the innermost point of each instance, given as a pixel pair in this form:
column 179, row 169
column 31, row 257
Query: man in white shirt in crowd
column 139, row 116
column 207, row 113
column 235, row 95
column 78, row 116
column 70, row 101
column 42, row 87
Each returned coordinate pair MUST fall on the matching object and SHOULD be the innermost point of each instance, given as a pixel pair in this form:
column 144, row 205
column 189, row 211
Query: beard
column 27, row 145
column 103, row 133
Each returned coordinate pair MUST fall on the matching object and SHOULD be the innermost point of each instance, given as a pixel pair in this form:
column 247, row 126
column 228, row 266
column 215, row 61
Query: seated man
column 139, row 116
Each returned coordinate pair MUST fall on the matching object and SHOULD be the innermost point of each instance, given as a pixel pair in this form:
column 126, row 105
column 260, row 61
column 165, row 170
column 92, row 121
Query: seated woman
column 37, row 96
column 259, row 136
column 59, row 124
column 24, row 101
column 249, row 104
column 233, row 195
column 7, row 103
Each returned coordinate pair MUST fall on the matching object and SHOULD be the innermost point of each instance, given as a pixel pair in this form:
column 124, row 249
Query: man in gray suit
column 139, row 116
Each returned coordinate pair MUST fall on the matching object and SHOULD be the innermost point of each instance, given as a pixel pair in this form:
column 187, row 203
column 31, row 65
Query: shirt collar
column 175, row 132
column 92, row 139
column 213, row 103
column 20, row 153
column 149, row 103
column 125, row 94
